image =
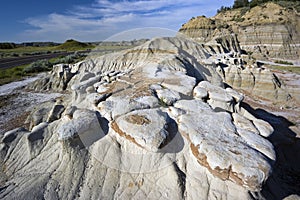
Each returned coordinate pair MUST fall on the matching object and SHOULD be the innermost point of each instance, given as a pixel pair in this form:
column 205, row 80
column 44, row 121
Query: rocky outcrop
column 268, row 31
column 259, row 82
column 153, row 122
column 57, row 80
column 271, row 36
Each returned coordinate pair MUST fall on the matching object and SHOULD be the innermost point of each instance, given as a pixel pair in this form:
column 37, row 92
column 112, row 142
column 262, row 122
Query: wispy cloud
column 104, row 18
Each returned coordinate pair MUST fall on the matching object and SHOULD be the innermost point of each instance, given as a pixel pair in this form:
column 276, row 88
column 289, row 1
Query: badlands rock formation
column 152, row 122
column 271, row 34
column 266, row 31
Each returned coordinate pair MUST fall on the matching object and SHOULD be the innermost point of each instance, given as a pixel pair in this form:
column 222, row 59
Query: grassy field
column 12, row 74
column 25, row 51
column 69, row 45
column 20, row 72
column 292, row 69
column 73, row 45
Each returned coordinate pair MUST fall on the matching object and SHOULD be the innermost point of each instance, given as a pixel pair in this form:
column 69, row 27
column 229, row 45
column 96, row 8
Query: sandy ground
column 16, row 103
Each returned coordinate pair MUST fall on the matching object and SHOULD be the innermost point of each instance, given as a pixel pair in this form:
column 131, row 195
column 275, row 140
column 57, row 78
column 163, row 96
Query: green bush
column 14, row 54
column 290, row 4
column 70, row 58
column 283, row 62
column 238, row 19
column 17, row 73
column 240, row 3
column 38, row 66
column 223, row 9
column 7, row 45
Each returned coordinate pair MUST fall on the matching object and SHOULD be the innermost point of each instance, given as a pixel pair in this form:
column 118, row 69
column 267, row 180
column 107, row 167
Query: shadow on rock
column 175, row 142
column 285, row 178
column 97, row 133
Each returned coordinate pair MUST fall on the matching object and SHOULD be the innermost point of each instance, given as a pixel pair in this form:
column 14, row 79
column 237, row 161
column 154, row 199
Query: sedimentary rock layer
column 265, row 31
column 152, row 122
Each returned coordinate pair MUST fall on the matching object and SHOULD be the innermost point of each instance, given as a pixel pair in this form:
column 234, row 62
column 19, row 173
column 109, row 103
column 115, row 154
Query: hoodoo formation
column 163, row 120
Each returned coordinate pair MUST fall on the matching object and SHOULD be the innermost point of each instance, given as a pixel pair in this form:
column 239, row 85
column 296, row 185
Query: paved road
column 6, row 63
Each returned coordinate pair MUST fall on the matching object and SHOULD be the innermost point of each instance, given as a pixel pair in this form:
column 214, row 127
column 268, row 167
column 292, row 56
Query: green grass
column 20, row 72
column 69, row 45
column 73, row 45
column 12, row 74
column 292, row 69
column 25, row 51
column 283, row 62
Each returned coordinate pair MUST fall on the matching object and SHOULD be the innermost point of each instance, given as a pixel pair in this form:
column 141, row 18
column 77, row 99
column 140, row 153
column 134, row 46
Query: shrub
column 69, row 58
column 238, row 19
column 38, row 66
column 244, row 10
column 7, row 45
column 240, row 3
column 283, row 62
column 223, row 9
column 14, row 54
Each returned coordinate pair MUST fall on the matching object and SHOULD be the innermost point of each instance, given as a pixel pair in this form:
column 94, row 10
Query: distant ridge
column 71, row 44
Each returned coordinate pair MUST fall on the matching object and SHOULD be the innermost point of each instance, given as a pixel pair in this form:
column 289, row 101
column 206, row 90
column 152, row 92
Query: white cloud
column 104, row 18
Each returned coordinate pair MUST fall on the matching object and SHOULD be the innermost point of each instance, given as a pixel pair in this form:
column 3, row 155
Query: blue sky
column 95, row 20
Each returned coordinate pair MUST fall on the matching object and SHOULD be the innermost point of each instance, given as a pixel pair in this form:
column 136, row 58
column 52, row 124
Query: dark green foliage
column 71, row 45
column 290, row 4
column 223, row 9
column 17, row 73
column 283, row 62
column 69, row 59
column 7, row 45
column 254, row 3
column 244, row 10
column 38, row 66
column 238, row 19
column 240, row 3
column 46, row 65
column 11, row 74
column 245, row 3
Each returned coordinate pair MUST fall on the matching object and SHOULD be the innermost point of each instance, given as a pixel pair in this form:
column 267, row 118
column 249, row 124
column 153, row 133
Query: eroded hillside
column 268, row 31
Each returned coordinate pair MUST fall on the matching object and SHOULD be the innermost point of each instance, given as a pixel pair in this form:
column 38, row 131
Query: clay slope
column 268, row 31
column 152, row 122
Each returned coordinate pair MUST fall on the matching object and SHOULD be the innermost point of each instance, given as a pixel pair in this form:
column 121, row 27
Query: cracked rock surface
column 152, row 122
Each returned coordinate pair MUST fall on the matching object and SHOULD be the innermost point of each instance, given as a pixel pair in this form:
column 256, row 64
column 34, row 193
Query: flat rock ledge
column 136, row 126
